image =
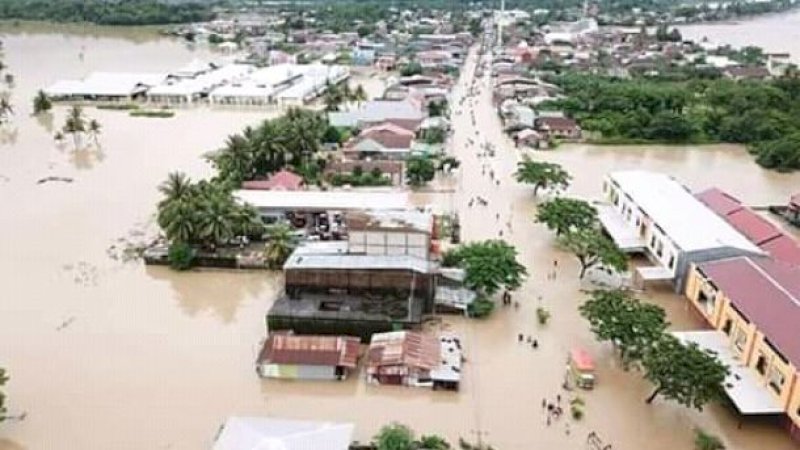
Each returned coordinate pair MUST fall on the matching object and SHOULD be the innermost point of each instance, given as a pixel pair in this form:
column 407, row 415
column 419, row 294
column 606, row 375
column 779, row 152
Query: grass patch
column 118, row 106
column 151, row 113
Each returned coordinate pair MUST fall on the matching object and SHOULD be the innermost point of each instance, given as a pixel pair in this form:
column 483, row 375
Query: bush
column 481, row 307
column 542, row 315
column 151, row 113
column 181, row 256
column 577, row 412
column 706, row 441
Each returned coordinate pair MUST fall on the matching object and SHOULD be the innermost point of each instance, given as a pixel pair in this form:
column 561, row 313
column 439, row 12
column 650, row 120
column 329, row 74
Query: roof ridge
column 775, row 282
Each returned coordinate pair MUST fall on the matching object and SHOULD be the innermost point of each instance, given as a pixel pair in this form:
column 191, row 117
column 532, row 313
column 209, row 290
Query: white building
column 185, row 91
column 264, row 433
column 105, row 86
column 653, row 214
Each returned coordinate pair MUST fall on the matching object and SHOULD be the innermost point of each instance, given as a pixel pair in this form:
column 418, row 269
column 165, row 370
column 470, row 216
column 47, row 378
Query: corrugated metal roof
column 282, row 348
column 403, row 348
column 783, row 248
column 719, row 201
column 752, row 225
column 767, row 293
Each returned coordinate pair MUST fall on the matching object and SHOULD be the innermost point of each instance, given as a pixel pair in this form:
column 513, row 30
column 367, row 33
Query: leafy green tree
column 41, row 103
column 630, row 325
column 542, row 175
column 592, row 249
column 684, row 373
column 433, row 442
column 3, row 381
column 419, row 170
column 395, row 437
column 437, row 108
column 563, row 214
column 280, row 245
column 435, row 135
column 489, row 265
column 706, row 441
column 180, row 255
column 75, row 124
column 781, row 154
column 412, row 68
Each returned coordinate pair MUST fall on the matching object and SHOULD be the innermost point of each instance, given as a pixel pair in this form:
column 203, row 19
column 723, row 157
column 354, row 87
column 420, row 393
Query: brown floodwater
column 105, row 354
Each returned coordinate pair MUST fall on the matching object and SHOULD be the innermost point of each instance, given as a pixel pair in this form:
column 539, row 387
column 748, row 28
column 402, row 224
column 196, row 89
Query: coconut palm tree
column 179, row 220
column 41, row 103
column 75, row 124
column 177, row 188
column 280, row 246
column 94, row 130
column 235, row 160
column 216, row 219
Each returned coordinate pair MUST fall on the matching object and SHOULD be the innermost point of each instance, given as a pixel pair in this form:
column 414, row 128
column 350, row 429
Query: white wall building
column 653, row 214
column 184, row 91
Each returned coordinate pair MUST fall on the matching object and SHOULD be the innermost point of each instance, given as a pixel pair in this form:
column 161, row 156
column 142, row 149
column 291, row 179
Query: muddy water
column 105, row 355
column 774, row 32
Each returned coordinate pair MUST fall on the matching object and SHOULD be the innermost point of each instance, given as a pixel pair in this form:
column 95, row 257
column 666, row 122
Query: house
column 528, row 138
column 413, row 358
column 384, row 141
column 391, row 169
column 746, row 73
column 285, row 355
column 377, row 111
column 434, row 59
column 559, row 127
column 284, row 180
column 652, row 214
column 760, row 231
column 753, row 306
column 265, row 433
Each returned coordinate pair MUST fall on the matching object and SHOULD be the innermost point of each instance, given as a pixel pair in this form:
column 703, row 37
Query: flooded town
column 370, row 226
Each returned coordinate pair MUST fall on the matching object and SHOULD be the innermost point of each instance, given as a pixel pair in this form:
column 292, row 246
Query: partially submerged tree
column 3, row 381
column 395, row 437
column 566, row 214
column 593, row 249
column 6, row 109
column 706, row 441
column 542, row 175
column 280, row 245
column 41, row 103
column 684, row 373
column 489, row 265
column 75, row 124
column 630, row 325
column 419, row 170
column 94, row 130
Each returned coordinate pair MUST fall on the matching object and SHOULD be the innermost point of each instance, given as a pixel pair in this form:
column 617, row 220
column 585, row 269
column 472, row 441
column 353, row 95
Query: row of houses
column 229, row 84
column 740, row 272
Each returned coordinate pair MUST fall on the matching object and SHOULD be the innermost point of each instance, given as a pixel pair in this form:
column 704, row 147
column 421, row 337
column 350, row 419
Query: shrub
column 542, row 315
column 577, row 412
column 481, row 307
column 181, row 256
column 706, row 441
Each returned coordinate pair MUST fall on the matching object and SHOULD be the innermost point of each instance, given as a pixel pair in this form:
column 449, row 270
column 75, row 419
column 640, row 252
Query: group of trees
column 291, row 140
column 203, row 213
column 400, row 437
column 78, row 125
column 337, row 94
column 680, row 372
column 763, row 115
column 108, row 12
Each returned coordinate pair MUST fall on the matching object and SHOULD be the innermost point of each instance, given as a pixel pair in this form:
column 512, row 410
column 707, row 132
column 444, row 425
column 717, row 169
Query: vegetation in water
column 156, row 113
column 706, row 441
column 180, row 256
column 41, row 103
column 542, row 175
column 489, row 266
column 563, row 214
column 419, row 170
column 3, row 381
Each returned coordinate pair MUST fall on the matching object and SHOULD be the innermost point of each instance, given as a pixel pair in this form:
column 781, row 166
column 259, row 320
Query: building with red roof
column 754, row 303
column 285, row 180
column 309, row 357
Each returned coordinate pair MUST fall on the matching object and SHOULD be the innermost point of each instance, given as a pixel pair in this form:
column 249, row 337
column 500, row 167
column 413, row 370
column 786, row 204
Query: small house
column 307, row 357
column 284, row 180
column 413, row 358
column 559, row 127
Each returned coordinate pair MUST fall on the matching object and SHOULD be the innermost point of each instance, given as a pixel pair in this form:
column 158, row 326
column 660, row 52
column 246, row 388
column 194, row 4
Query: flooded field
column 773, row 32
column 111, row 355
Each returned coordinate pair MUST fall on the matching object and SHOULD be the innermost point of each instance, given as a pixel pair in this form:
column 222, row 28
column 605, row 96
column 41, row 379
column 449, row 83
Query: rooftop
column 684, row 219
column 749, row 394
column 719, row 201
column 284, row 180
column 324, row 200
column 106, row 84
column 330, row 261
column 767, row 293
column 284, row 348
column 263, row 433
column 402, row 220
column 406, row 348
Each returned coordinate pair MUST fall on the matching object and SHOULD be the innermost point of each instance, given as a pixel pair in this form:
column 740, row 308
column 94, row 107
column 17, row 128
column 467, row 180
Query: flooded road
column 107, row 355
column 774, row 33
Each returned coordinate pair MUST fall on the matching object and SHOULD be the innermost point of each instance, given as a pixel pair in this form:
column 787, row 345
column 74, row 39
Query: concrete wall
column 696, row 283
column 774, row 367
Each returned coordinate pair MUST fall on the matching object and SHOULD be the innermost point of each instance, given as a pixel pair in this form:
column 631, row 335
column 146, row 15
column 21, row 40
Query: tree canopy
column 108, row 12
column 542, row 175
column 419, row 170
column 594, row 249
column 630, row 325
column 395, row 437
column 563, row 214
column 684, row 373
column 489, row 265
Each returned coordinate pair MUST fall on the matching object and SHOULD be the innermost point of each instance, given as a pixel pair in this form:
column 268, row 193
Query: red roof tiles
column 783, row 248
column 752, row 225
column 719, row 201
column 284, row 180
column 767, row 293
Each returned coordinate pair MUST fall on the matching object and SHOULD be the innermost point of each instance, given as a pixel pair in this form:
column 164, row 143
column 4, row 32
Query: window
column 761, row 364
column 671, row 261
column 776, row 380
column 653, row 242
column 660, row 249
column 741, row 339
column 727, row 327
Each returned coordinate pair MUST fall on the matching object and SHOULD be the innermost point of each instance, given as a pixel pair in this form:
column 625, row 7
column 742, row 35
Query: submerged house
column 412, row 358
column 285, row 355
column 653, row 215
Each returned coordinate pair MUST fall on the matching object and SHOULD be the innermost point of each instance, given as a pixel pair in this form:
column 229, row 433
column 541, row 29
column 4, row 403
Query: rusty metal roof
column 403, row 348
column 283, row 348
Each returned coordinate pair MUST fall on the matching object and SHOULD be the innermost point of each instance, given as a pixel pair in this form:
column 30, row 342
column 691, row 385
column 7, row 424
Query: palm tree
column 360, row 95
column 247, row 222
column 177, row 188
column 94, row 130
column 347, row 93
column 216, row 219
column 75, row 124
column 235, row 160
column 41, row 103
column 6, row 109
column 179, row 220
column 332, row 97
column 280, row 246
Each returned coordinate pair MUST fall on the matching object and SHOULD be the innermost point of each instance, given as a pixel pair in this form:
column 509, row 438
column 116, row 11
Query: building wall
column 382, row 242
column 794, row 403
column 741, row 333
column 778, row 374
column 298, row 371
column 697, row 287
